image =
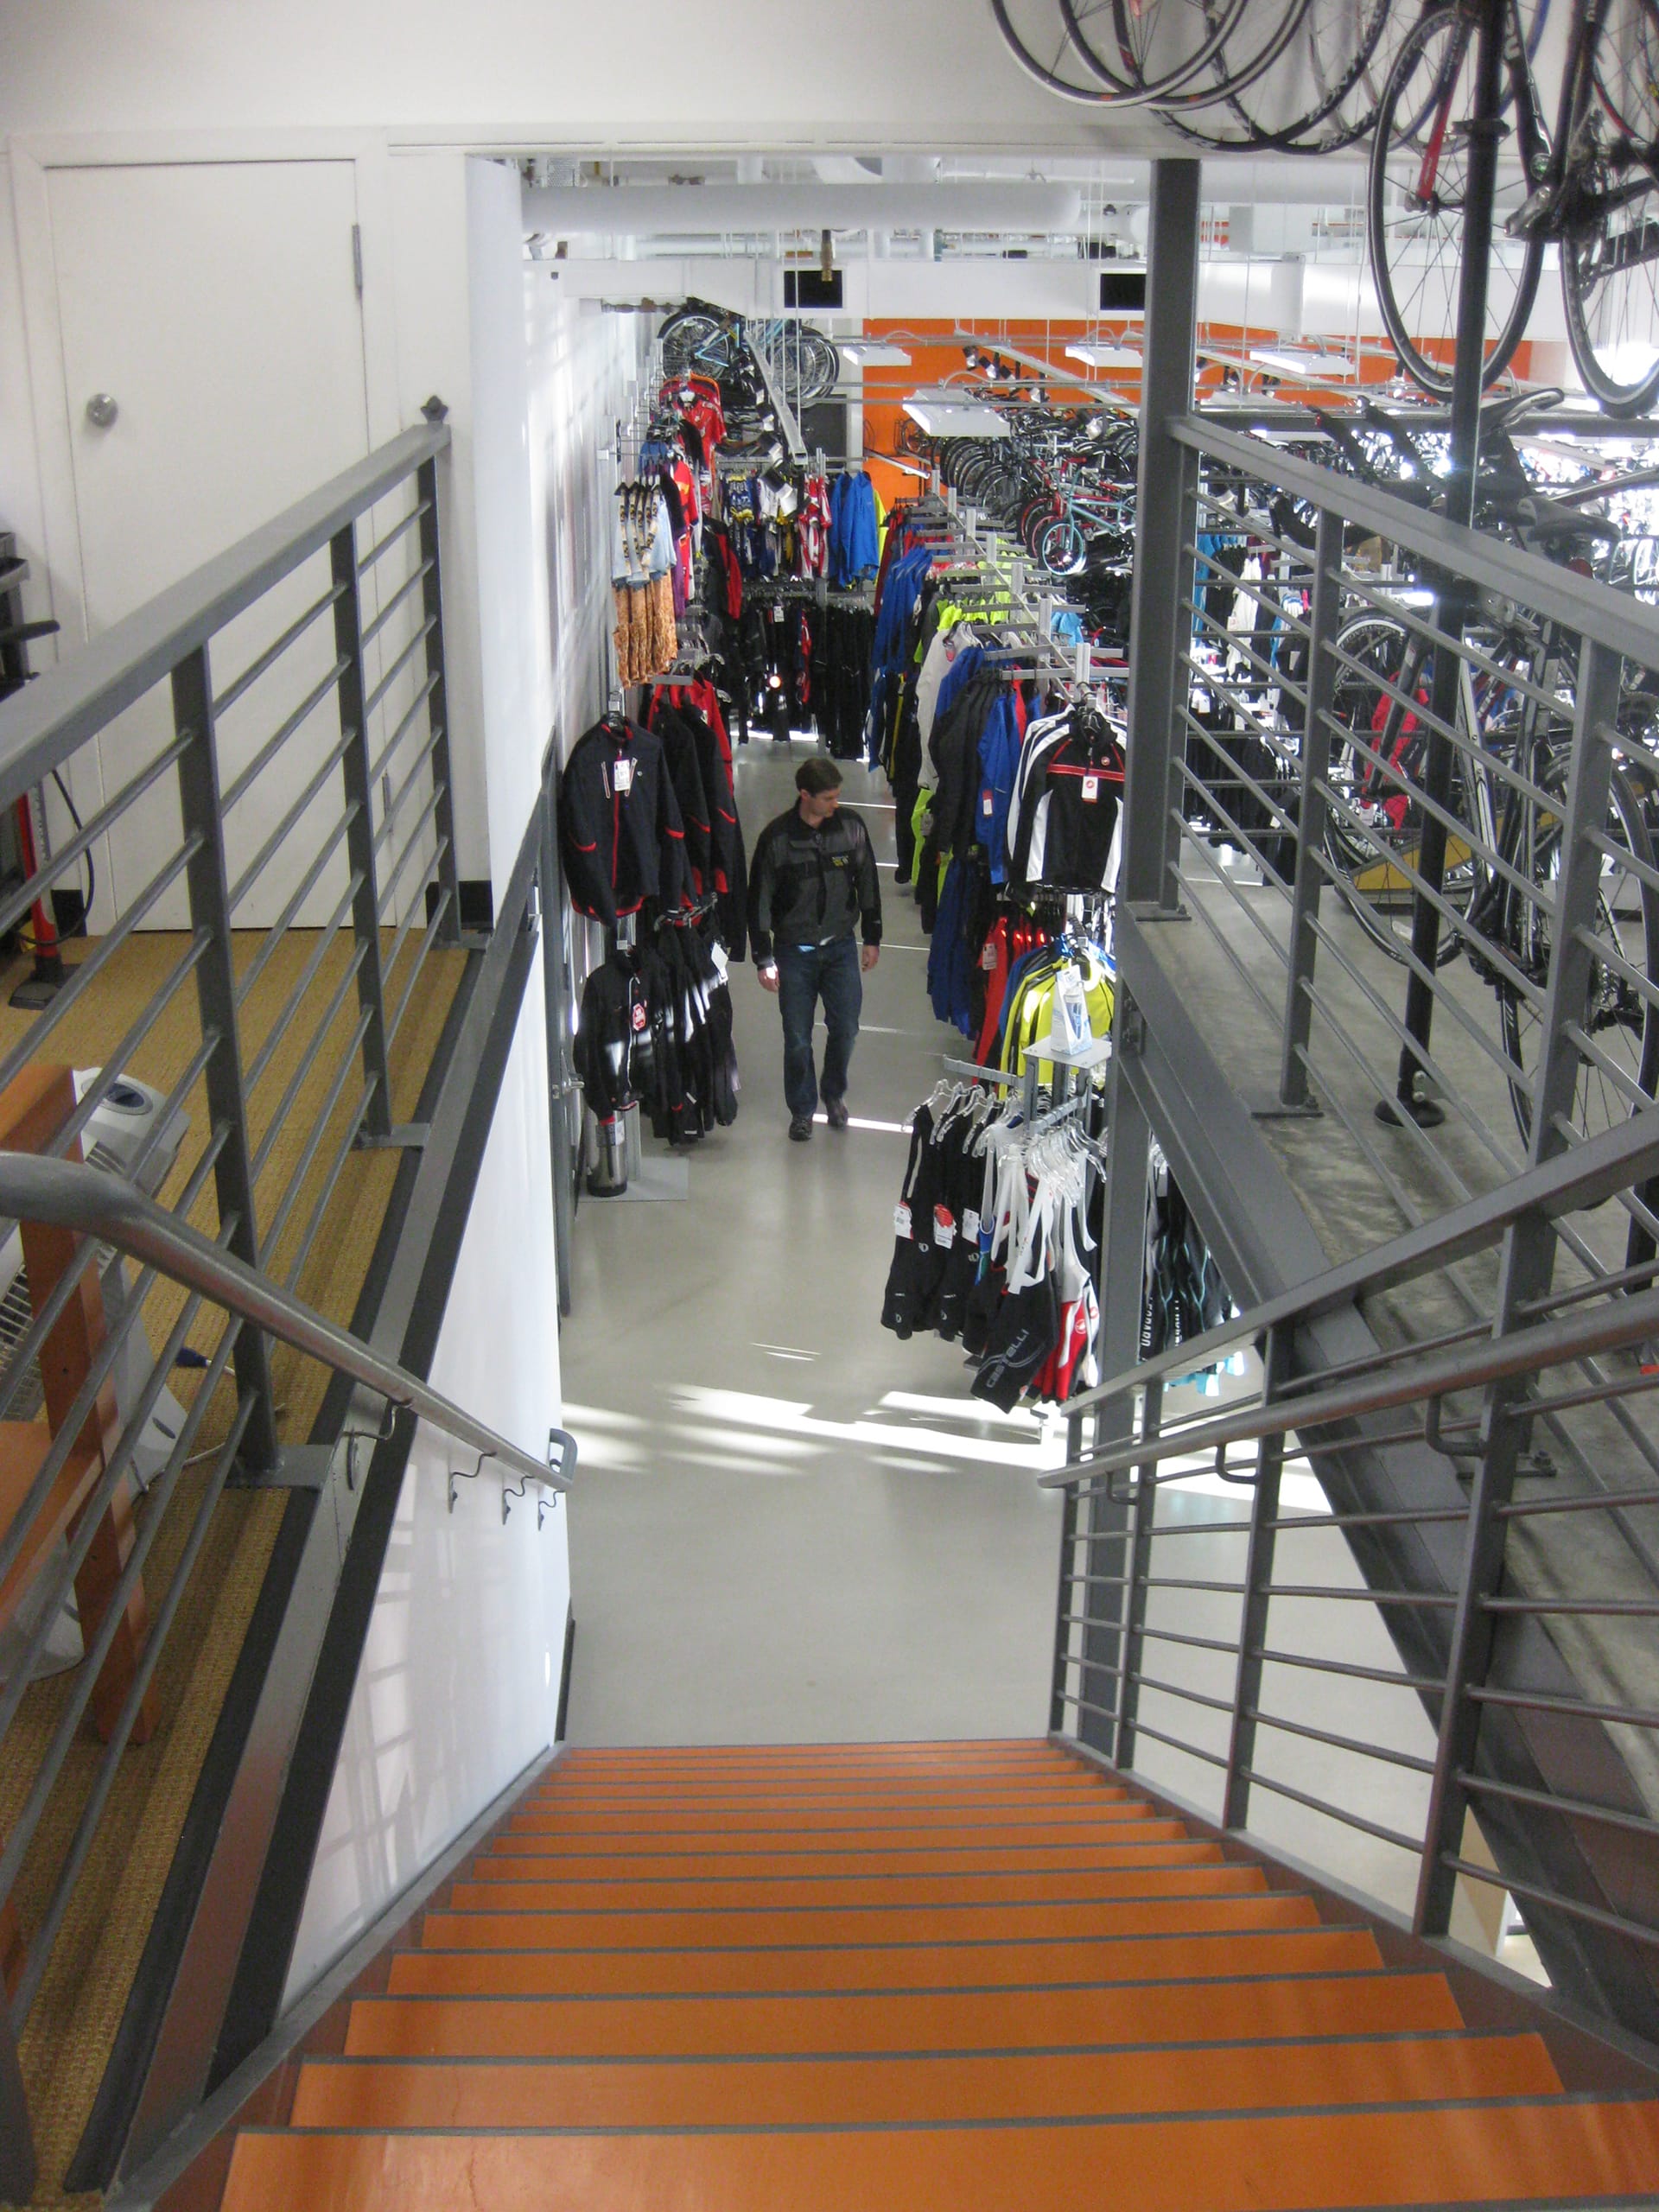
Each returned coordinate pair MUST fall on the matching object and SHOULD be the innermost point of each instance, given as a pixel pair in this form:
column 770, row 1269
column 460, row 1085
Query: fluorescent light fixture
column 955, row 417
column 1303, row 362
column 1104, row 355
column 872, row 354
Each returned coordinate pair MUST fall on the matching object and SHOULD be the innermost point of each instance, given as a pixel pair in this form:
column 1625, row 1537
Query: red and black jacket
column 619, row 833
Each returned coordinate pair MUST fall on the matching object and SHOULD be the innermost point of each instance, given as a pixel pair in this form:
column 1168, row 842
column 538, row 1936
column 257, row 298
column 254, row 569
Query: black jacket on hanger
column 619, row 827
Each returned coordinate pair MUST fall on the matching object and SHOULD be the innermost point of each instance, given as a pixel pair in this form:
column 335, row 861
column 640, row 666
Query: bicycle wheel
column 1620, row 1070
column 1609, row 258
column 1037, row 36
column 1415, row 206
column 1148, row 51
column 1060, row 546
column 820, row 365
column 1373, row 828
column 696, row 342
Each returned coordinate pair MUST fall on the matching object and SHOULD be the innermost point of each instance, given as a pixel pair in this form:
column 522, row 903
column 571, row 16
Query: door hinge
column 357, row 257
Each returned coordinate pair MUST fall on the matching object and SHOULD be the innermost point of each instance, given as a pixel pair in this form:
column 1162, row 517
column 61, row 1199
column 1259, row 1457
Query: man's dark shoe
column 835, row 1113
column 800, row 1129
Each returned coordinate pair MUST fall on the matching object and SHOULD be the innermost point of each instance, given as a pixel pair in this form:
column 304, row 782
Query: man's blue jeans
column 806, row 975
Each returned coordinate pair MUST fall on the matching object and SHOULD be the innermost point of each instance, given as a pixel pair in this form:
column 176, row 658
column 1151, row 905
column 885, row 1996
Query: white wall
column 519, row 72
column 459, row 1688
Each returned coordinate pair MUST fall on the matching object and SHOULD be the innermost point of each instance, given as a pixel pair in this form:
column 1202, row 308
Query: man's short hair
column 817, row 776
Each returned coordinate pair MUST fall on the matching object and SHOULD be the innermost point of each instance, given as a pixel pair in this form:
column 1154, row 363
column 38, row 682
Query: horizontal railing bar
column 1413, row 1844
column 1261, row 593
column 43, row 1938
column 1640, row 1608
column 410, row 845
column 415, row 903
column 149, row 1525
column 307, row 1059
column 1404, row 1517
column 428, row 939
column 1566, row 1708
column 1408, row 1759
column 1367, row 1596
column 1529, row 1509
column 1140, row 1727
column 1597, row 1169
column 120, row 1059
column 273, row 745
column 1084, row 1705
column 1232, row 639
column 296, row 814
column 278, row 1029
column 1228, row 1644
column 399, row 665
column 279, row 928
column 1078, row 1658
column 404, row 720
column 1595, row 610
column 45, row 1022
column 13, row 909
column 272, row 1237
column 1246, row 907
column 1283, row 820
column 47, row 722
column 79, row 1197
column 393, row 806
column 341, row 1152
column 1431, row 1685
column 372, row 630
column 1174, row 1689
column 1614, row 1923
column 384, row 545
column 1570, row 1808
column 1186, row 1582
column 297, row 628
column 1594, row 1394
column 1465, row 648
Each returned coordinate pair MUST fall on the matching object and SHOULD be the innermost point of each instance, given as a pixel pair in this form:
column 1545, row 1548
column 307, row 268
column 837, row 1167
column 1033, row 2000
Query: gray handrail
column 102, row 1206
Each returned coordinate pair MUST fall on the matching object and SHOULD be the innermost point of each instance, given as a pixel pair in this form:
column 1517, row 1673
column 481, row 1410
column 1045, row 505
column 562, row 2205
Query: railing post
column 437, row 706
column 1064, row 1606
column 18, row 2172
column 1524, row 1275
column 360, row 832
column 1253, row 1609
column 1137, row 1565
column 1160, row 622
column 557, row 1011
column 192, row 719
column 1323, row 616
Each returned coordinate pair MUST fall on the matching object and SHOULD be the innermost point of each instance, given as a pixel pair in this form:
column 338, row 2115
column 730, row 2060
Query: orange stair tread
column 1139, row 1902
column 506, row 1864
column 905, row 2020
column 897, row 1966
column 775, row 1819
column 810, row 1892
column 1259, row 2164
column 553, row 1842
column 366, row 2093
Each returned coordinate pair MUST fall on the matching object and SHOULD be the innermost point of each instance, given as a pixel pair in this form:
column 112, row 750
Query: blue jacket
column 999, row 760
column 854, row 547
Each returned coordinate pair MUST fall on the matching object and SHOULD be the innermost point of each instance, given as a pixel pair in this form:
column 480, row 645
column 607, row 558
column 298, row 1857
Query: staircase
column 833, row 1978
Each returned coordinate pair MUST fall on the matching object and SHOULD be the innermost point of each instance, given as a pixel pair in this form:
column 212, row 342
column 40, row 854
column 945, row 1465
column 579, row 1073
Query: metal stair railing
column 97, row 1206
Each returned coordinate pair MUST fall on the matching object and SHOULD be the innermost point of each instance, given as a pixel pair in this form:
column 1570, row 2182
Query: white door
column 216, row 304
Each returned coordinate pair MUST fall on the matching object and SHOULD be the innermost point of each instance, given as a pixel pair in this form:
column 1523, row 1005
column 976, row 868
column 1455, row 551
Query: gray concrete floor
column 791, row 1526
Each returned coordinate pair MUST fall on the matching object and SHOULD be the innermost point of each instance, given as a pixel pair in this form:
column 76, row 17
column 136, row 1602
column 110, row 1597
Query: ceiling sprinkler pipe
column 807, row 205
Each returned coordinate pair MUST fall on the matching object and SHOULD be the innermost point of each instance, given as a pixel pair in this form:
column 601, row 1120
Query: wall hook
column 457, row 1475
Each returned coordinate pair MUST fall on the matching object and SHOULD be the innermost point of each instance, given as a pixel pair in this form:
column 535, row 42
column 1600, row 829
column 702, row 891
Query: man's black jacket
column 621, row 835
column 808, row 885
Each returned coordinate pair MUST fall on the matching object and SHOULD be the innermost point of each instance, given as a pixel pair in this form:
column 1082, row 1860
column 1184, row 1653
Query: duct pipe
column 637, row 210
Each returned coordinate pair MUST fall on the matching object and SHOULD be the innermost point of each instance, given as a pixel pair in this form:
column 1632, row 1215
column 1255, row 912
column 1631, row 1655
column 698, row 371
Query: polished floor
column 789, row 1525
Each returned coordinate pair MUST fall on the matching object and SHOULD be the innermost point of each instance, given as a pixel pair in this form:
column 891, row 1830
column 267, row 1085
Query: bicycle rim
column 1618, row 1019
column 1372, row 824
column 1610, row 271
column 1029, row 40
column 1152, row 50
column 1415, row 206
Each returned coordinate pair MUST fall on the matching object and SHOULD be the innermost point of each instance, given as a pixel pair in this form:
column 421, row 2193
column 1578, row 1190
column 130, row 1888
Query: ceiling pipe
column 637, row 210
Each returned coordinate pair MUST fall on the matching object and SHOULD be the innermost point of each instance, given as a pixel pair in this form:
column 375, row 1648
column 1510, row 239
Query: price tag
column 1091, row 788
column 970, row 1224
column 717, row 954
column 988, row 959
column 944, row 1227
column 901, row 1221
column 623, row 771
column 986, row 804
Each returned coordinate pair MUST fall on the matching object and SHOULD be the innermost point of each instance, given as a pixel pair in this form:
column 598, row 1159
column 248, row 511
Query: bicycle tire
column 1089, row 93
column 1378, row 895
column 1620, row 1019
column 821, row 366
column 1429, row 90
column 693, row 341
column 1613, row 327
column 1332, row 64
column 1061, row 547
column 1134, row 88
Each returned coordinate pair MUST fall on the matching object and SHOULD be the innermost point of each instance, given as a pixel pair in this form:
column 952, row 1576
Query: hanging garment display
column 855, row 529
column 994, row 1232
column 642, row 578
column 692, row 711
column 1064, row 818
column 621, row 837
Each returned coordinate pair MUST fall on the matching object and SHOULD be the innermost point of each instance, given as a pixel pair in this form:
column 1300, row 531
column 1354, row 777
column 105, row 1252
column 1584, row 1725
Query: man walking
column 813, row 880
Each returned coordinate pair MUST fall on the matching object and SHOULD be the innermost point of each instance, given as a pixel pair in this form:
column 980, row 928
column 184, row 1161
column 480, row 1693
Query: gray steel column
column 1527, row 1262
column 558, row 1026
column 359, row 831
column 1253, row 1610
column 18, row 2172
column 1323, row 616
column 1137, row 1565
column 193, row 718
column 437, row 705
column 1106, row 1521
column 1160, row 626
